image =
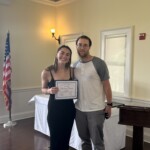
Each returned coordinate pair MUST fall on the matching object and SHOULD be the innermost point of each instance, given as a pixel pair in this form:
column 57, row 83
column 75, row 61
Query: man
column 94, row 88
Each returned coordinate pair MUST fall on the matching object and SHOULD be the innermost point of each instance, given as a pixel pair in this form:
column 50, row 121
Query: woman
column 61, row 113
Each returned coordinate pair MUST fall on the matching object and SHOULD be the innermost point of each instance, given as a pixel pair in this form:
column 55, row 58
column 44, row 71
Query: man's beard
column 83, row 56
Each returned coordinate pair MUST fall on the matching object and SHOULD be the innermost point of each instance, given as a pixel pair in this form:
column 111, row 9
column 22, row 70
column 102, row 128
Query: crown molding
column 51, row 3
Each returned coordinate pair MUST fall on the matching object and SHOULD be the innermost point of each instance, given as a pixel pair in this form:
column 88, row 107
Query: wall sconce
column 53, row 35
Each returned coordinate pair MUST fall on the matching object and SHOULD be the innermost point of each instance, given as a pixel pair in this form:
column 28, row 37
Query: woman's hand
column 52, row 90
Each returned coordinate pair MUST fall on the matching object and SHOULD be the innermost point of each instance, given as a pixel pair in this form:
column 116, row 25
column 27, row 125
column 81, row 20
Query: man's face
column 83, row 48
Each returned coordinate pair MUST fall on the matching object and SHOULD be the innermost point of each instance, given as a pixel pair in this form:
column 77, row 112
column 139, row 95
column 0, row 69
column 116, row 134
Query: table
column 138, row 117
column 114, row 133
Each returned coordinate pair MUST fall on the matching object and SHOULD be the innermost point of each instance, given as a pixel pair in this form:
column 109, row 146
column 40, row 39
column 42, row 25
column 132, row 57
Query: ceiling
column 54, row 2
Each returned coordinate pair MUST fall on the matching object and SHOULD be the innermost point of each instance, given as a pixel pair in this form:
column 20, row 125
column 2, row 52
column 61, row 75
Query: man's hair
column 84, row 37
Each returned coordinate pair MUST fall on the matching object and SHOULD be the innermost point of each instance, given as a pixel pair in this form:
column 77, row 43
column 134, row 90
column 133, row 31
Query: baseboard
column 146, row 133
column 15, row 117
column 21, row 109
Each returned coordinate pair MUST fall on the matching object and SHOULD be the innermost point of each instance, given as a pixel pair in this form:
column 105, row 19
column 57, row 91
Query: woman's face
column 63, row 56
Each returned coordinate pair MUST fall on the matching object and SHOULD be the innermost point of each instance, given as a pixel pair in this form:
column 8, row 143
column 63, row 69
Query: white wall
column 32, row 50
column 93, row 16
column 32, row 47
column 21, row 108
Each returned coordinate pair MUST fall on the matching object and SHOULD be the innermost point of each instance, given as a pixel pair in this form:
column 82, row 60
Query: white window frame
column 128, row 59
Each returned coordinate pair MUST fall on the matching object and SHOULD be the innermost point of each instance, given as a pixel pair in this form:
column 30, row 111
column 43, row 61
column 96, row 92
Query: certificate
column 66, row 89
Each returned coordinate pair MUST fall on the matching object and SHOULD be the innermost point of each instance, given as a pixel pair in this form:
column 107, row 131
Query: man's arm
column 108, row 93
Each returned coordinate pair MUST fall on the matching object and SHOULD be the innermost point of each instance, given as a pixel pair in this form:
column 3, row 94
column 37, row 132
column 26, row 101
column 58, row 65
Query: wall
column 21, row 108
column 92, row 17
column 32, row 49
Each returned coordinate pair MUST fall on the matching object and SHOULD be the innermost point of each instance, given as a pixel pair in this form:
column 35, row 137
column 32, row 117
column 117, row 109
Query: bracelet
column 110, row 104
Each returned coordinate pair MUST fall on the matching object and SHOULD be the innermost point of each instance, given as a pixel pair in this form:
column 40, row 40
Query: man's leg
column 95, row 122
column 82, row 126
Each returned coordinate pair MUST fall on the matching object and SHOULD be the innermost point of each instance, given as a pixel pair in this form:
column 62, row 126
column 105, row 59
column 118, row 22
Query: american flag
column 7, row 75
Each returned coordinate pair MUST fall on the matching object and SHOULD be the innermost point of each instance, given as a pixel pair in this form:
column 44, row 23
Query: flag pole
column 10, row 123
column 10, row 115
column 7, row 82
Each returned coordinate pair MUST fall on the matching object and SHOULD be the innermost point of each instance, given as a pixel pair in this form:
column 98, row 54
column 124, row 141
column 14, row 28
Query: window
column 116, row 51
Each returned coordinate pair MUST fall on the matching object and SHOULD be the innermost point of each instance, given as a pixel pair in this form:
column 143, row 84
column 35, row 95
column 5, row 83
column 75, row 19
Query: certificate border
column 69, row 97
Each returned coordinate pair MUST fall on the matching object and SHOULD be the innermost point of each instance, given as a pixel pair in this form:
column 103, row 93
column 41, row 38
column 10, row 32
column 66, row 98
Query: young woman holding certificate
column 61, row 112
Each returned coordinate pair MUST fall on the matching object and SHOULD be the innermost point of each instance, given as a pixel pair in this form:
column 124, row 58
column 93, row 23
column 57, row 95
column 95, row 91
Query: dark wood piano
column 138, row 117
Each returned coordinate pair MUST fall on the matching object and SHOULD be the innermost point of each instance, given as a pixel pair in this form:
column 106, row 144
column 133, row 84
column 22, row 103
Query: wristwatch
column 110, row 104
